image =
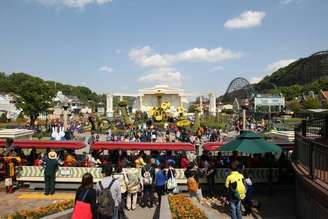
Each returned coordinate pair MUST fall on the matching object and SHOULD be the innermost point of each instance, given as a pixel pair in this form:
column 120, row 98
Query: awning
column 110, row 145
column 41, row 144
column 212, row 146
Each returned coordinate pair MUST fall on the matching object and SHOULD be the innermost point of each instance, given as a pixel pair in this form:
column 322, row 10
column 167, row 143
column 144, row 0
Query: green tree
column 312, row 103
column 34, row 96
column 124, row 112
column 197, row 121
column 3, row 117
column 192, row 108
column 294, row 106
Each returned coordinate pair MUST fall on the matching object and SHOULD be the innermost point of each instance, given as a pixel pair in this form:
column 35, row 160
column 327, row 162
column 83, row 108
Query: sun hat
column 52, row 155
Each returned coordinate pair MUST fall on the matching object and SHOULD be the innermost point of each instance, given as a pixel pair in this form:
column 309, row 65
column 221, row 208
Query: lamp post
column 65, row 107
column 244, row 107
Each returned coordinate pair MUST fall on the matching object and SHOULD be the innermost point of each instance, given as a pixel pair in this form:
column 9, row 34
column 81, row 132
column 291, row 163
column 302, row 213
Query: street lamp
column 244, row 106
column 65, row 107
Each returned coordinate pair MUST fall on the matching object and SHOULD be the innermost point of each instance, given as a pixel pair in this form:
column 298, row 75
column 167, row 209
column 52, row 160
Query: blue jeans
column 115, row 215
column 234, row 207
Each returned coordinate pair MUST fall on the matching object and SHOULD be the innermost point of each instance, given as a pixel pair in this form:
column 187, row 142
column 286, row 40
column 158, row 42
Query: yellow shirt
column 235, row 176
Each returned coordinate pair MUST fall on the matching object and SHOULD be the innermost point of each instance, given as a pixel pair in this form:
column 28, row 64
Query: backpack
column 106, row 203
column 192, row 184
column 147, row 179
column 238, row 189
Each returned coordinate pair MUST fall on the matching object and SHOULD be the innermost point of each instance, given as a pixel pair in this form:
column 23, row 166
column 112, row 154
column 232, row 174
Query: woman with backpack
column 160, row 180
column 148, row 176
column 170, row 176
column 85, row 199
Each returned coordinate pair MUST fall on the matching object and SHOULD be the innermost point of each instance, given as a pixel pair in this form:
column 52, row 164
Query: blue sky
column 124, row 45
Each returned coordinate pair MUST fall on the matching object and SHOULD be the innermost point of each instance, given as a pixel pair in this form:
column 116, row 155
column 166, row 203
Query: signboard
column 101, row 110
column 269, row 101
column 65, row 172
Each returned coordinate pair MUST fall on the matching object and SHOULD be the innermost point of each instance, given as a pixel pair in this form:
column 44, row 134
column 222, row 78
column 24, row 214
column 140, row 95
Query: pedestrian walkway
column 41, row 195
column 29, row 200
column 143, row 213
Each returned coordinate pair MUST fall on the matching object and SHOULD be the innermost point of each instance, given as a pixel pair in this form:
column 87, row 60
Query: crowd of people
column 143, row 178
column 133, row 177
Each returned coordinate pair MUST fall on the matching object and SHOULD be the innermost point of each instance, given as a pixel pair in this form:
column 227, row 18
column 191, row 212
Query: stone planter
column 60, row 215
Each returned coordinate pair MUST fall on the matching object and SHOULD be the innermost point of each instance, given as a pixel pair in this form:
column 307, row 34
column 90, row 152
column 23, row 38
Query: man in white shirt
column 115, row 188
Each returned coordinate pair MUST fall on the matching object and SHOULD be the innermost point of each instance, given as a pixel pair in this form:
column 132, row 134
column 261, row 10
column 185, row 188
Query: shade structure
column 250, row 142
column 213, row 146
column 109, row 145
column 41, row 144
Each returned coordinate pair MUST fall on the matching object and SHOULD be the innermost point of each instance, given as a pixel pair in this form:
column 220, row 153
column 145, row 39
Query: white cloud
column 146, row 58
column 72, row 3
column 143, row 56
column 168, row 76
column 106, row 68
column 279, row 64
column 246, row 20
column 216, row 68
column 256, row 79
column 118, row 51
column 286, row 2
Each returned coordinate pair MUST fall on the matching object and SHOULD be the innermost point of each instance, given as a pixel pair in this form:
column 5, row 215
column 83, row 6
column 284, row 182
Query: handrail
column 311, row 147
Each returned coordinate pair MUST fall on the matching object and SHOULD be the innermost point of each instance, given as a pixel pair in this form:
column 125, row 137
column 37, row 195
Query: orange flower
column 182, row 207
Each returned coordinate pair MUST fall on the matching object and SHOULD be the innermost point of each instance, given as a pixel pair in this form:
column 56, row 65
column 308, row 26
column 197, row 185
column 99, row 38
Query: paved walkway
column 20, row 200
column 143, row 213
column 280, row 205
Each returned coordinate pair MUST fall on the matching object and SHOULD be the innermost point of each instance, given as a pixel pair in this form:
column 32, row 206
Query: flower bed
column 183, row 208
column 42, row 211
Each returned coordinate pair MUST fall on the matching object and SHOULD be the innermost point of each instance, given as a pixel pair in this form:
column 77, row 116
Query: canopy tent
column 213, row 146
column 41, row 144
column 106, row 145
column 250, row 142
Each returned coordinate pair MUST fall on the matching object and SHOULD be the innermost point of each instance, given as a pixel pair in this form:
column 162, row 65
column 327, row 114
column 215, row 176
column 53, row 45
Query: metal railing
column 311, row 147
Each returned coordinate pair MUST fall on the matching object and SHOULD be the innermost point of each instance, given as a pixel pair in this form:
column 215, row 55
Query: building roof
column 158, row 89
column 324, row 94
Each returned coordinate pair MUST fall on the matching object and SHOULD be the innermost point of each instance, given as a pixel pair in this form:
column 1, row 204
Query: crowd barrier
column 69, row 175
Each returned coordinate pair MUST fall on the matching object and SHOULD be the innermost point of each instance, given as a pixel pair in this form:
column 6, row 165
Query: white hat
column 52, row 155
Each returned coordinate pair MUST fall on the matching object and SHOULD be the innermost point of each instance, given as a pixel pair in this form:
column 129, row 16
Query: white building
column 146, row 99
column 73, row 103
column 154, row 97
column 7, row 105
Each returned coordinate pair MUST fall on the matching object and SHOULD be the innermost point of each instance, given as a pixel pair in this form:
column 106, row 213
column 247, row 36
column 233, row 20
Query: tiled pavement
column 20, row 200
column 278, row 206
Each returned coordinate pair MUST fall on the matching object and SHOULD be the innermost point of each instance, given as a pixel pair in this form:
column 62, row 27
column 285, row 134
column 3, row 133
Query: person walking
column 210, row 176
column 235, row 191
column 148, row 176
column 247, row 202
column 170, row 176
column 85, row 194
column 51, row 165
column 109, row 195
column 134, row 183
column 160, row 179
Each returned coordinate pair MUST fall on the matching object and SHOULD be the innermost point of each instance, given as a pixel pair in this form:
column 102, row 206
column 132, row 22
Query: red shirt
column 184, row 162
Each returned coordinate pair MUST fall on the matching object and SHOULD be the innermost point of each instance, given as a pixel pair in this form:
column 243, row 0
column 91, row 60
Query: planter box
column 60, row 215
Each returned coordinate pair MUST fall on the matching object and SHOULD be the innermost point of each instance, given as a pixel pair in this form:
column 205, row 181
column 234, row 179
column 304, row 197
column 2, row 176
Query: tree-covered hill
column 301, row 72
column 11, row 83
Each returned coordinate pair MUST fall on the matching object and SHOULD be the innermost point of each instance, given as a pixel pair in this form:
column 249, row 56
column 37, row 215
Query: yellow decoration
column 183, row 123
column 180, row 109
